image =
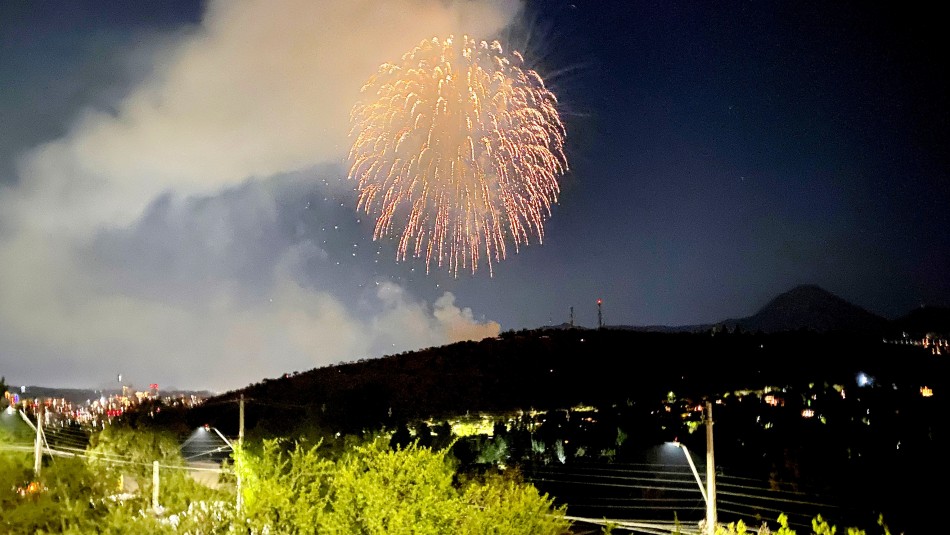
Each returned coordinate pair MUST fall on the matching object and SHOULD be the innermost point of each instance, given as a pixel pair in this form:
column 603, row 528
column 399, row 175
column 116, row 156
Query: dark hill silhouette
column 924, row 320
column 806, row 334
column 556, row 368
column 625, row 374
column 809, row 307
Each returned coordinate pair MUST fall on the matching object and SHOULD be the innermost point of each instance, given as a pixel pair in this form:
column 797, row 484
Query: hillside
column 561, row 368
column 804, row 335
column 924, row 320
column 812, row 308
column 806, row 307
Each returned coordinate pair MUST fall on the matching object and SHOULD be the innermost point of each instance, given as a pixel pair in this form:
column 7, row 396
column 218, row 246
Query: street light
column 203, row 433
column 240, row 445
column 205, row 443
column 692, row 466
column 226, row 441
column 709, row 494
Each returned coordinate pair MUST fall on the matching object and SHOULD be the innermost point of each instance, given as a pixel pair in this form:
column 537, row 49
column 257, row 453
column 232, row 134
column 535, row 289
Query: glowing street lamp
column 692, row 466
column 240, row 443
column 224, row 438
column 709, row 493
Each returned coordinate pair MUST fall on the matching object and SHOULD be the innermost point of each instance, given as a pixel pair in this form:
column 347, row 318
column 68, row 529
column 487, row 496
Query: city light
column 865, row 379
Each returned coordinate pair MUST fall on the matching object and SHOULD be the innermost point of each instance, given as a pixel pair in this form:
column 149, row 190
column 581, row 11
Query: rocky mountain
column 810, row 307
column 806, row 307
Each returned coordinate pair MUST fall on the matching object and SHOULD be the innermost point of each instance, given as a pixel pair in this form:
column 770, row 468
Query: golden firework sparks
column 457, row 149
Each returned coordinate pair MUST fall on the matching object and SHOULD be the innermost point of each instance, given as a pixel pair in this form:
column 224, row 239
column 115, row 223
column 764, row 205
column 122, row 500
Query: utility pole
column 572, row 317
column 240, row 499
column 241, row 421
column 710, row 474
column 38, row 445
column 155, row 483
column 600, row 315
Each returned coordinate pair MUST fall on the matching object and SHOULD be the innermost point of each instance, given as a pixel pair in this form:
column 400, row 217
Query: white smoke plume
column 182, row 168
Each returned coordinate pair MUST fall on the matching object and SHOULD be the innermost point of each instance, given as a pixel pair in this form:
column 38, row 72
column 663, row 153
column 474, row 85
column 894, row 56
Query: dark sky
column 174, row 203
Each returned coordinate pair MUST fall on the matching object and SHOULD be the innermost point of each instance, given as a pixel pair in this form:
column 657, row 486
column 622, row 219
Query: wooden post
column 155, row 483
column 240, row 498
column 38, row 445
column 710, row 474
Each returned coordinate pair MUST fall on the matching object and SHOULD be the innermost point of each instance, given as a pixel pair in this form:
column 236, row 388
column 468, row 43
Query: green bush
column 819, row 526
column 287, row 488
column 375, row 490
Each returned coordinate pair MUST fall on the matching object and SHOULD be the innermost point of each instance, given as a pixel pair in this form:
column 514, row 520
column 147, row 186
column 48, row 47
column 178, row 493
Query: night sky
column 174, row 204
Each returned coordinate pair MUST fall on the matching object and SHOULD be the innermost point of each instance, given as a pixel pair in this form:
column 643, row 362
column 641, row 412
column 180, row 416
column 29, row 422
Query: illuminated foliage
column 375, row 490
column 819, row 526
column 60, row 500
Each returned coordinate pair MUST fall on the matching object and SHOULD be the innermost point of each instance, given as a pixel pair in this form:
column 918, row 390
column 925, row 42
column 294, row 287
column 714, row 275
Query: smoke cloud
column 168, row 235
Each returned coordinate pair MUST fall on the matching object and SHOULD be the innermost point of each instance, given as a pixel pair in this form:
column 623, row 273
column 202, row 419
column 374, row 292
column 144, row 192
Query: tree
column 373, row 489
column 424, row 435
column 284, row 491
column 119, row 452
column 401, row 437
column 68, row 496
column 127, row 452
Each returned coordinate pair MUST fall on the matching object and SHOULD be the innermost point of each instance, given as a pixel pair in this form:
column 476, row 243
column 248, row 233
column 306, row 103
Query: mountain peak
column 811, row 307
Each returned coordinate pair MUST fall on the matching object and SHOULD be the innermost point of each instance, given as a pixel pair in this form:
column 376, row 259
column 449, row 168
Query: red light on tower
column 600, row 315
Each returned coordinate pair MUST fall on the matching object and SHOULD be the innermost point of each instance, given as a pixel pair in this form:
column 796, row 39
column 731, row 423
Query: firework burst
column 457, row 149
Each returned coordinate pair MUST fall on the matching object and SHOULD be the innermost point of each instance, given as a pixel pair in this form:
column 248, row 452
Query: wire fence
column 649, row 498
column 670, row 492
column 74, row 441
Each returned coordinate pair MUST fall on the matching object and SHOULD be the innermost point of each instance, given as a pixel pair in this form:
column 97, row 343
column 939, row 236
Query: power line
column 656, row 476
column 138, row 463
column 67, row 434
column 761, row 508
column 726, row 476
column 610, row 468
column 649, row 507
column 208, row 452
column 68, row 441
column 533, row 476
column 17, row 447
column 636, row 498
column 621, row 465
column 768, row 486
column 684, row 471
column 620, row 485
column 781, row 500
column 648, row 479
column 768, row 489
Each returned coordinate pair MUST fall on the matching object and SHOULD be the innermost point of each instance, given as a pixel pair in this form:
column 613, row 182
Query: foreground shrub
column 375, row 490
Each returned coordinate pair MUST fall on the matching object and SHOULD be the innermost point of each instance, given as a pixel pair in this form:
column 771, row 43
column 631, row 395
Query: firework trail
column 457, row 148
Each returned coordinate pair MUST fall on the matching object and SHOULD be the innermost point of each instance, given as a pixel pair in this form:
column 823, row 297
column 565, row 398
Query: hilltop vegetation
column 560, row 368
column 643, row 387
column 287, row 487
